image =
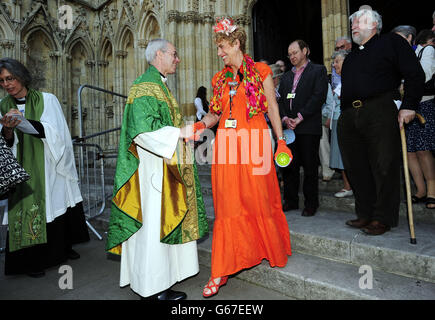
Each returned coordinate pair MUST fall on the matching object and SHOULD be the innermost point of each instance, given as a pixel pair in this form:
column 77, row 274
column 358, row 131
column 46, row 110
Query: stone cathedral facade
column 105, row 42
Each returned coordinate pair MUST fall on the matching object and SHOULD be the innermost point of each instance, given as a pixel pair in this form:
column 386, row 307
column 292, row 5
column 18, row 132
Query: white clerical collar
column 361, row 47
column 164, row 79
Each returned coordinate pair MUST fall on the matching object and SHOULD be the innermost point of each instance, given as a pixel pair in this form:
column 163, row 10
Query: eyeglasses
column 7, row 80
column 340, row 47
column 174, row 54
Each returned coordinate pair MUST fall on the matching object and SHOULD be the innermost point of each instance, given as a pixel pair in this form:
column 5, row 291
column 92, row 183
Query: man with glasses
column 157, row 208
column 302, row 93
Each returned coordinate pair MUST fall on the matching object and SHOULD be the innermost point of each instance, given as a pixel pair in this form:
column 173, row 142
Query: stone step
column 329, row 202
column 327, row 256
column 325, row 235
column 313, row 278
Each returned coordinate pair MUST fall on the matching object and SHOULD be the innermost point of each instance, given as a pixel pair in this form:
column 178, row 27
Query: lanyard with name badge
column 230, row 122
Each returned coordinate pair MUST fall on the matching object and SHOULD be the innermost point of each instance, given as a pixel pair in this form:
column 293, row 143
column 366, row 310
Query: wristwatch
column 281, row 138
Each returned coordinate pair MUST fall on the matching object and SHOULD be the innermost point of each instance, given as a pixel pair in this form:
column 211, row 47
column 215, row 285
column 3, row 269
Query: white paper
column 24, row 126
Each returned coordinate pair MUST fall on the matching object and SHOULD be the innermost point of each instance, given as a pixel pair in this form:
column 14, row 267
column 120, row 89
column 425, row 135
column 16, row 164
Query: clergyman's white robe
column 61, row 179
column 148, row 265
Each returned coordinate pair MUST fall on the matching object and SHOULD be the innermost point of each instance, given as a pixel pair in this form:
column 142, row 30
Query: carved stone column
column 172, row 35
column 119, row 85
column 142, row 63
column 7, row 48
column 57, row 81
column 209, row 50
column 190, row 44
column 335, row 24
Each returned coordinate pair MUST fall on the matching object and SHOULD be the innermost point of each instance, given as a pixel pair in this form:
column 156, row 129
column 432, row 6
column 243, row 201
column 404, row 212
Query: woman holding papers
column 45, row 214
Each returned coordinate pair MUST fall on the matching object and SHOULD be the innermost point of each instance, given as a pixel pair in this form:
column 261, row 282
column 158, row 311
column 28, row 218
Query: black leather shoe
column 358, row 223
column 73, row 255
column 288, row 207
column 167, row 295
column 308, row 212
column 375, row 228
column 36, row 274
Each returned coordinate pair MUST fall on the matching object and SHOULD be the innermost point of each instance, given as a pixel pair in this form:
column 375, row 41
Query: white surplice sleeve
column 61, row 179
column 161, row 142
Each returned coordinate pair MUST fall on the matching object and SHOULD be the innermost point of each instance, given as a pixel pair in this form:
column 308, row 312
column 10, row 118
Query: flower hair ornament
column 224, row 25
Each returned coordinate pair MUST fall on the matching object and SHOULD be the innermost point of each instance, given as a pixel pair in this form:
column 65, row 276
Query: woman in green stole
column 45, row 214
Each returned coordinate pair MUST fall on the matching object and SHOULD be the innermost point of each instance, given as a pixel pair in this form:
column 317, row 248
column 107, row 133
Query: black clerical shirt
column 378, row 67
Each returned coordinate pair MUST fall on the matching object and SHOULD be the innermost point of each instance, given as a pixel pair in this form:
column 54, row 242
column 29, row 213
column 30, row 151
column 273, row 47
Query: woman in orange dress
column 249, row 222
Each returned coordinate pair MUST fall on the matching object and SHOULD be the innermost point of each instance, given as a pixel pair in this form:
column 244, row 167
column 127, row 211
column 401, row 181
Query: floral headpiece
column 225, row 25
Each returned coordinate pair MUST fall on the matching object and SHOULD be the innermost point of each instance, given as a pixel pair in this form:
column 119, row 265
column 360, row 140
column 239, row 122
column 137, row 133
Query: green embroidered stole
column 150, row 106
column 26, row 204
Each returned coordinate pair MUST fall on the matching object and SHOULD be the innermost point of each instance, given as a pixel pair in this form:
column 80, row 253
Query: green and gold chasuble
column 150, row 106
column 26, row 204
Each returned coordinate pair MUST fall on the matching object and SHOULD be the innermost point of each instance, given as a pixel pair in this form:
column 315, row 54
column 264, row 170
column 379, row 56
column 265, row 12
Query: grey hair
column 340, row 53
column 346, row 38
column 17, row 69
column 406, row 31
column 372, row 14
column 154, row 46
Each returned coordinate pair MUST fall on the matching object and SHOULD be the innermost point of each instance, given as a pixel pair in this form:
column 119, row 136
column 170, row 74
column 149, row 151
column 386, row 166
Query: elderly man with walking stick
column 368, row 128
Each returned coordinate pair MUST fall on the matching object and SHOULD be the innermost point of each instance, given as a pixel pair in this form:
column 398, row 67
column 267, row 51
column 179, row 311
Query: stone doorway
column 276, row 23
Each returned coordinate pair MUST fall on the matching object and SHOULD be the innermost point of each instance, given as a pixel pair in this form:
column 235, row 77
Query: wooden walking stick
column 407, row 181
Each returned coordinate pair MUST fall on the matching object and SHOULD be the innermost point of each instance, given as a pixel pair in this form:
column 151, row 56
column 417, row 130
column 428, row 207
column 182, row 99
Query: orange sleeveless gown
column 249, row 222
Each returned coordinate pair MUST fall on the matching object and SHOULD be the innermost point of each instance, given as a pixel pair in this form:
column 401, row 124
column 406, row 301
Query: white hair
column 340, row 53
column 154, row 46
column 406, row 30
column 371, row 14
column 346, row 38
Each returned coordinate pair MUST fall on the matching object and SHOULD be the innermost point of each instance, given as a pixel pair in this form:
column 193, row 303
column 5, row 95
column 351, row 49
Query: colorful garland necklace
column 256, row 100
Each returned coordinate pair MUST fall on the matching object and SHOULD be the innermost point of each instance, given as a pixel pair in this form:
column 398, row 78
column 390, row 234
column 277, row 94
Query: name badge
column 291, row 96
column 231, row 123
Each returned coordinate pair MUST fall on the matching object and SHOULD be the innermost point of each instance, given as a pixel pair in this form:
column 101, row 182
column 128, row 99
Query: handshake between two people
column 283, row 155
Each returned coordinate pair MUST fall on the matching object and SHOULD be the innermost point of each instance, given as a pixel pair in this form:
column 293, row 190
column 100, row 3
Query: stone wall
column 106, row 43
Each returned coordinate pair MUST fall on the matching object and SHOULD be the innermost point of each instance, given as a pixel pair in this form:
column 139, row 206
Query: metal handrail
column 77, row 139
column 81, row 88
column 81, row 142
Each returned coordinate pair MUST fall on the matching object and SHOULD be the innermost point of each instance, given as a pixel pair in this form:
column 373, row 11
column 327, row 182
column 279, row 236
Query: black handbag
column 11, row 173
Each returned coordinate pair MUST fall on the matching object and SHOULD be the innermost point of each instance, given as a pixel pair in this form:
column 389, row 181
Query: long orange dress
column 249, row 222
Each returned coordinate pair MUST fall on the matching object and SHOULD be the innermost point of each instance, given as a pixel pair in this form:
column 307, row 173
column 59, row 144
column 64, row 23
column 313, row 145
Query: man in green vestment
column 157, row 209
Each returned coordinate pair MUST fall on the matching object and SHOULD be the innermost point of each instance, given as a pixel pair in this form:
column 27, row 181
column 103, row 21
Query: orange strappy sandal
column 213, row 287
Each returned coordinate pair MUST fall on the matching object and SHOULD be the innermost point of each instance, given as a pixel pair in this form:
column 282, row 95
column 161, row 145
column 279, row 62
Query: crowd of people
column 349, row 122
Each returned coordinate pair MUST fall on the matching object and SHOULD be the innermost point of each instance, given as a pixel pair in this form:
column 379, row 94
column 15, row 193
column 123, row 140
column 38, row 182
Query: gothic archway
column 38, row 56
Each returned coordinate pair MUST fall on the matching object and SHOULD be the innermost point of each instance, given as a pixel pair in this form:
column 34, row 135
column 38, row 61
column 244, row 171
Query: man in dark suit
column 303, row 91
